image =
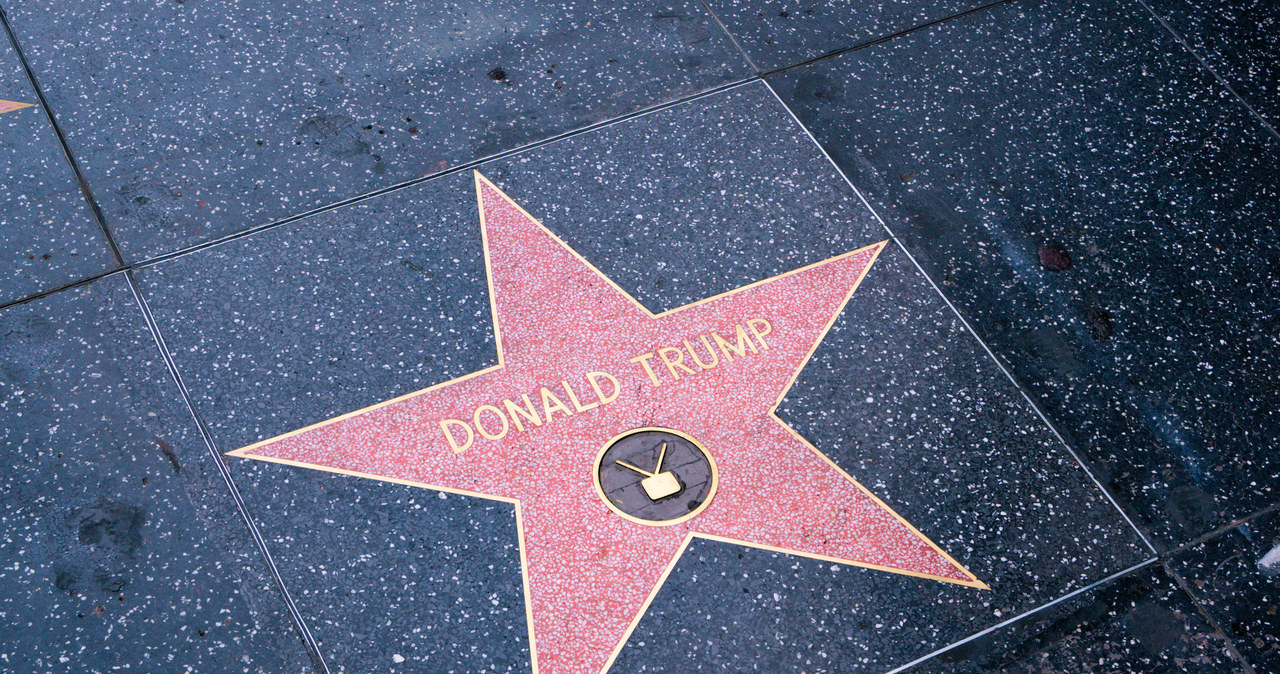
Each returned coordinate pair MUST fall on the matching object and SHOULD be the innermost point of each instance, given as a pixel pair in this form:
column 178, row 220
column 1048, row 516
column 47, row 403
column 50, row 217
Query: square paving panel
column 294, row 325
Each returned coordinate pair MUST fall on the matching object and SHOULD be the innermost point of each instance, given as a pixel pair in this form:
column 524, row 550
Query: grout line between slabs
column 981, row 342
column 884, row 38
column 1204, row 63
column 164, row 257
column 54, row 291
column 1228, row 642
column 1210, row 535
column 313, row 648
column 1024, row 614
column 1186, row 589
column 732, row 38
column 85, row 190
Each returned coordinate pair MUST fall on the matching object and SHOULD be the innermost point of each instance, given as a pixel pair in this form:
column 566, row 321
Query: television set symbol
column 655, row 476
column 658, row 484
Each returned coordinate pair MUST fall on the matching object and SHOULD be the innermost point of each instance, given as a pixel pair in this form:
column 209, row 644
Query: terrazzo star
column 607, row 501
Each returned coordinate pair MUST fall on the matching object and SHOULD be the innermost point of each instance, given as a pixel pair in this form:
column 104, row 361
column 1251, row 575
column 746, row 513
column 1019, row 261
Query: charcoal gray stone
column 776, row 34
column 1236, row 577
column 1147, row 330
column 193, row 120
column 1238, row 40
column 1140, row 622
column 122, row 547
column 48, row 237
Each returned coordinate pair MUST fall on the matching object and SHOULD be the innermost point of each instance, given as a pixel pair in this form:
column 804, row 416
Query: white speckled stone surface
column 48, row 237
column 202, row 118
column 121, row 548
column 1105, row 214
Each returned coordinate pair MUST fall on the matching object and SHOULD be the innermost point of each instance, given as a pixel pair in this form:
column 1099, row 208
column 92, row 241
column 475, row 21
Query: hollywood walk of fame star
column 581, row 366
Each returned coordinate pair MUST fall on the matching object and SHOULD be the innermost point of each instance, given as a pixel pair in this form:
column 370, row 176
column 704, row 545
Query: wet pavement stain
column 110, row 526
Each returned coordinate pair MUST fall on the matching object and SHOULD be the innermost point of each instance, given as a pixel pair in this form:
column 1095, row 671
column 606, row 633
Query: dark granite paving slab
column 394, row 578
column 1236, row 577
column 48, row 238
column 121, row 547
column 299, row 323
column 1140, row 622
column 1106, row 217
column 193, row 120
column 1239, row 39
column 778, row 34
column 332, row 314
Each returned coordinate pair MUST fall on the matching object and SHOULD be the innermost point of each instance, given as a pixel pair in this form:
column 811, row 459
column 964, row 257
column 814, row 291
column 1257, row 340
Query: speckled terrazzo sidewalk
column 1040, row 436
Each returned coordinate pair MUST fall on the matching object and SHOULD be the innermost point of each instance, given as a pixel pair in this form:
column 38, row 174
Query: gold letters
column 548, row 407
column 740, row 349
column 475, row 420
column 715, row 360
column 664, row 353
column 494, row 422
column 457, row 448
column 643, row 359
column 673, row 356
column 595, row 385
column 577, row 406
column 515, row 412
column 768, row 328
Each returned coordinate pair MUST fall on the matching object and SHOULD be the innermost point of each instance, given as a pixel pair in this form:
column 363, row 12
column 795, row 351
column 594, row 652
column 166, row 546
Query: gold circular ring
column 595, row 477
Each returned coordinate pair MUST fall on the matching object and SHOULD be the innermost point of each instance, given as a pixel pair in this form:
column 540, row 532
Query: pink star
column 589, row 573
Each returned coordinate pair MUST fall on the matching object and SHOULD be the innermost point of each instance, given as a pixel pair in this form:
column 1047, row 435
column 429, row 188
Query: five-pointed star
column 589, row 573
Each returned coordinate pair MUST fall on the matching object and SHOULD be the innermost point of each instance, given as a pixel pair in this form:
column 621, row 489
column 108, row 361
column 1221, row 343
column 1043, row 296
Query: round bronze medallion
column 655, row 476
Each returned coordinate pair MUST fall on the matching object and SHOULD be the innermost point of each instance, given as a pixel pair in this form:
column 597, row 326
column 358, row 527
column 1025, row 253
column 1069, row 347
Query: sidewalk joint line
column 68, row 286
column 1024, row 614
column 313, row 648
column 564, row 135
column 1204, row 63
column 1228, row 642
column 458, row 168
column 1226, row 528
column 886, row 38
column 85, row 190
column 732, row 38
